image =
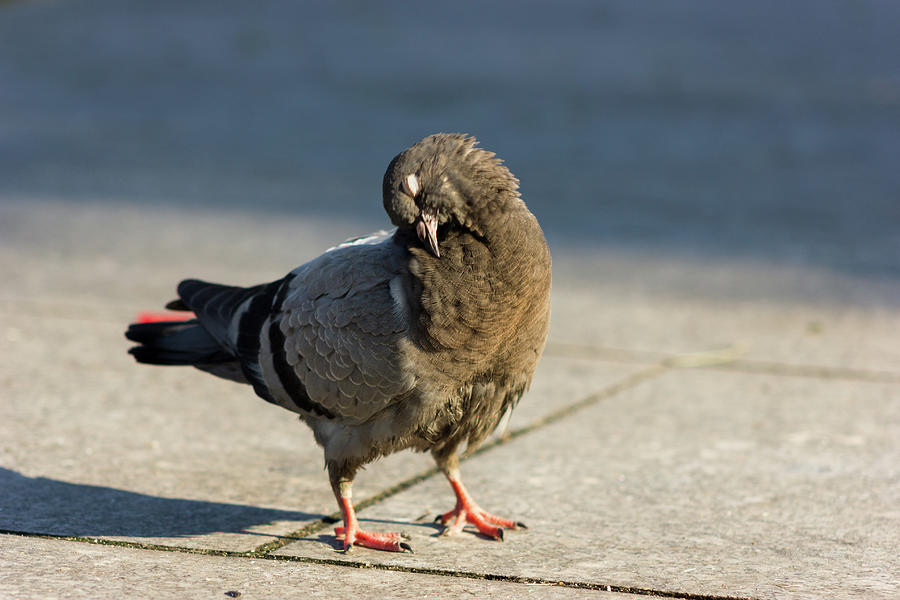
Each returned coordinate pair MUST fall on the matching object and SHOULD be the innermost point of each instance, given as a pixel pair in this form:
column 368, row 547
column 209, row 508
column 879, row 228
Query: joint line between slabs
column 724, row 359
column 382, row 567
column 265, row 550
column 620, row 386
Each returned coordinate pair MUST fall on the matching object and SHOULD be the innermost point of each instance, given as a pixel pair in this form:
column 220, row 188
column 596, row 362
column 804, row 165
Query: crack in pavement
column 264, row 551
column 611, row 390
column 383, row 567
column 725, row 359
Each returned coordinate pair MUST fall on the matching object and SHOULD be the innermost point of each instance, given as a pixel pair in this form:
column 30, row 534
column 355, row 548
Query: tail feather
column 214, row 304
column 175, row 343
column 177, row 304
column 224, row 337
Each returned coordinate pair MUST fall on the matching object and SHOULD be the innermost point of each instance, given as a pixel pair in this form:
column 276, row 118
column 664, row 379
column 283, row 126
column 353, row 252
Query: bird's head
column 445, row 181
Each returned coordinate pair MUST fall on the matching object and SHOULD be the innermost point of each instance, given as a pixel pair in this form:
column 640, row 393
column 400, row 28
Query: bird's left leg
column 467, row 510
column 342, row 486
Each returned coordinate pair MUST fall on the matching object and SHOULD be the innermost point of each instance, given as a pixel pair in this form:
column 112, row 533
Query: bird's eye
column 410, row 185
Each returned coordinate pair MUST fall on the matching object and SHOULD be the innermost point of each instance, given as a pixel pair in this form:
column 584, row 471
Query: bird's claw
column 389, row 541
column 487, row 524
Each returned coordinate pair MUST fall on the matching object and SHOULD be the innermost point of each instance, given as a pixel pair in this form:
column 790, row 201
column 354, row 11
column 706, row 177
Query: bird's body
column 421, row 338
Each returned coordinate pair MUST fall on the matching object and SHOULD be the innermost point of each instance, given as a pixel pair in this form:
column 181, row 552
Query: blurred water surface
column 767, row 131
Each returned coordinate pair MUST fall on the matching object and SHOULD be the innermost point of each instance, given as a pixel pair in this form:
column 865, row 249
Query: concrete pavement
column 738, row 457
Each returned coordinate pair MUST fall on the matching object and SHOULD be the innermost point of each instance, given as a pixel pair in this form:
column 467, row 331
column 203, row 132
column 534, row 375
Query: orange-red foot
column 353, row 535
column 468, row 511
column 390, row 541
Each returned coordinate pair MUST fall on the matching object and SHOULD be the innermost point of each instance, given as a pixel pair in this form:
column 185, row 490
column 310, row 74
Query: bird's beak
column 426, row 229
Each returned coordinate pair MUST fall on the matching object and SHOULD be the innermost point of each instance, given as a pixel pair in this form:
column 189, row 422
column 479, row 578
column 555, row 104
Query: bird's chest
column 475, row 310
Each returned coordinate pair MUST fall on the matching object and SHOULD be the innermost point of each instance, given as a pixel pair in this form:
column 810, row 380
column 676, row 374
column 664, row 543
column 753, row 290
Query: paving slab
column 820, row 330
column 97, row 256
column 107, row 261
column 693, row 482
column 95, row 445
column 81, row 414
column 562, row 381
column 49, row 569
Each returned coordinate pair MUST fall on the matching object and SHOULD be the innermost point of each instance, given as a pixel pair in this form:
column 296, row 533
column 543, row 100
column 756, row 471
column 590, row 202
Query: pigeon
column 420, row 338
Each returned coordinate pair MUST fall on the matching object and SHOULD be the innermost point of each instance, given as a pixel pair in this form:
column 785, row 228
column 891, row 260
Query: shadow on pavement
column 42, row 505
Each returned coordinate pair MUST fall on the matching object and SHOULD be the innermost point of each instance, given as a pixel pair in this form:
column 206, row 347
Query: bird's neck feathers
column 485, row 290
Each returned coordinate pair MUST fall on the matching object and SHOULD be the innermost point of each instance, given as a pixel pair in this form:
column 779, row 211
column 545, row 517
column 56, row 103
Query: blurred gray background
column 762, row 132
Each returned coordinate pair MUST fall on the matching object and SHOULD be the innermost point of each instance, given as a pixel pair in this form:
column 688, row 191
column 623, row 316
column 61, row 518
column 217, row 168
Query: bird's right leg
column 353, row 535
column 467, row 510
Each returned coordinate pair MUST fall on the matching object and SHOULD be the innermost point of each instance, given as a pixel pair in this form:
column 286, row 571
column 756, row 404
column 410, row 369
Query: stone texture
column 95, row 445
column 694, row 482
column 653, row 319
column 58, row 569
column 699, row 191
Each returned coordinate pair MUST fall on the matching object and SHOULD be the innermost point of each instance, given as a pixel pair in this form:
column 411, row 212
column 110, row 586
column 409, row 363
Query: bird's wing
column 334, row 345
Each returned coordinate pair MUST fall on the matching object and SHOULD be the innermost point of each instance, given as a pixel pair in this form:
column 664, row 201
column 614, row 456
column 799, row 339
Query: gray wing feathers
column 343, row 333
